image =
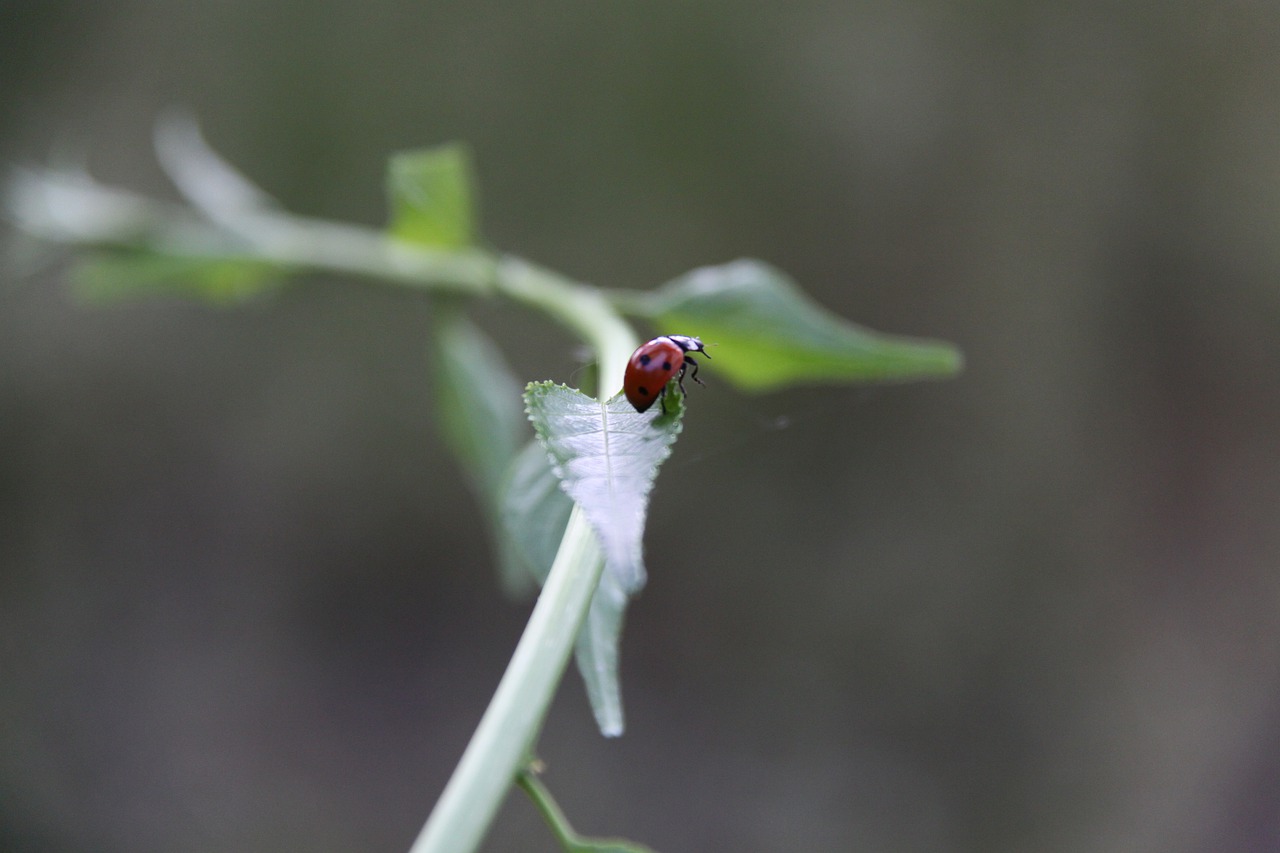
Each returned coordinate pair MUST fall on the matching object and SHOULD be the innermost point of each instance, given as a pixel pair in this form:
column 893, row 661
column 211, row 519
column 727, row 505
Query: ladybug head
column 689, row 344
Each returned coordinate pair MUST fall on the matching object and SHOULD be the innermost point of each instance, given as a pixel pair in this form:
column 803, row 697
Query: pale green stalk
column 504, row 739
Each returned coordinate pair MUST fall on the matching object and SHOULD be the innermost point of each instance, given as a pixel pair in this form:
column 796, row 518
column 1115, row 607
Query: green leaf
column 123, row 274
column 767, row 333
column 479, row 414
column 431, row 196
column 534, row 511
column 596, row 652
column 479, row 408
column 605, row 456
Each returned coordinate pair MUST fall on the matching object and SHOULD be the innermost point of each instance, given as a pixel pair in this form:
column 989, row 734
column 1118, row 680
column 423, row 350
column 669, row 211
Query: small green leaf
column 596, row 653
column 605, row 456
column 478, row 412
column 123, row 274
column 479, row 408
column 534, row 511
column 767, row 333
column 431, row 197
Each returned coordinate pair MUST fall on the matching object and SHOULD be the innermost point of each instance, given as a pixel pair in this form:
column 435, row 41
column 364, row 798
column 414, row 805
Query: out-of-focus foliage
column 433, row 197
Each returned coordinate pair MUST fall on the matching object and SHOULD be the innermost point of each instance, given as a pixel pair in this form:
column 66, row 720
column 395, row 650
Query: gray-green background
column 246, row 602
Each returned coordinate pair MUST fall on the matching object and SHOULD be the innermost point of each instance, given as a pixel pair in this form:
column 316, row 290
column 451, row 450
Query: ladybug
column 655, row 364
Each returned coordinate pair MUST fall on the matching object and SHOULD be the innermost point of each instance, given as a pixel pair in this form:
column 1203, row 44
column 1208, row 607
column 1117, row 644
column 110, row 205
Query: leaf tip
column 944, row 359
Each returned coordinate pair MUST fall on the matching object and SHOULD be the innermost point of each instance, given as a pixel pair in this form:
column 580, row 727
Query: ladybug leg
column 662, row 399
column 694, row 375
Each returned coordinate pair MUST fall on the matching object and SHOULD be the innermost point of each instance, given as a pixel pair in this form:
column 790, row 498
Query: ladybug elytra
column 655, row 364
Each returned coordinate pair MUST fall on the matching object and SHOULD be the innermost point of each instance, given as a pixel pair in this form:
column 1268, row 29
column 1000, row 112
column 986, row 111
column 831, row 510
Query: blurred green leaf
column 767, row 333
column 534, row 510
column 127, row 273
column 596, row 652
column 479, row 414
column 203, row 176
column 478, row 402
column 606, row 457
column 432, row 197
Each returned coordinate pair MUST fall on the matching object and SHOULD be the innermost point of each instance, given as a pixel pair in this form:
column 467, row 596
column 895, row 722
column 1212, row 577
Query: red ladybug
column 655, row 364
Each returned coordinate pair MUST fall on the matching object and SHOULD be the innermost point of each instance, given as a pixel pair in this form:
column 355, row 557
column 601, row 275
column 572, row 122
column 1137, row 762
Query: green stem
column 637, row 303
column 503, row 740
column 583, row 309
column 546, row 804
column 510, row 725
column 297, row 241
column 558, row 823
column 71, row 208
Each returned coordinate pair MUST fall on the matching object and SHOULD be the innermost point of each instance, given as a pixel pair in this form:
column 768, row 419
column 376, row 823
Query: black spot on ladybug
column 643, row 391
column 644, row 359
column 666, row 365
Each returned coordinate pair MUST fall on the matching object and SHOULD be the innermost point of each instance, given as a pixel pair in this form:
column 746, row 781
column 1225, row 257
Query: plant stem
column 503, row 740
column 292, row 240
column 547, row 806
column 558, row 823
column 510, row 725
column 583, row 309
column 72, row 208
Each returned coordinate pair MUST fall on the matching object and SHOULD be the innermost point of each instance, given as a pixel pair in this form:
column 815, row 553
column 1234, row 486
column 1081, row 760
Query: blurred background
column 247, row 603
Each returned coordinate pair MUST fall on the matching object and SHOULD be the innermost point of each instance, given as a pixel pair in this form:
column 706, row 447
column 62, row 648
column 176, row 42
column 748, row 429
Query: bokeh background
column 247, row 603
